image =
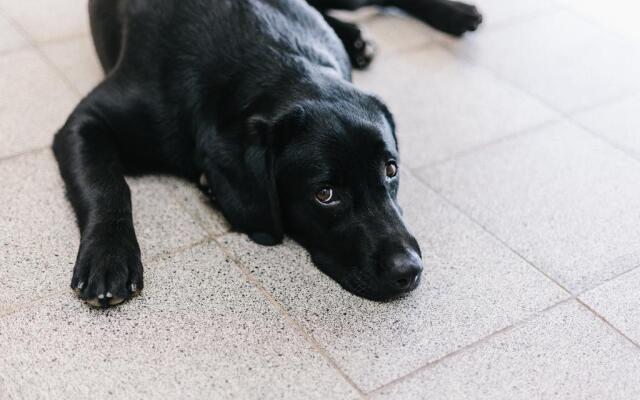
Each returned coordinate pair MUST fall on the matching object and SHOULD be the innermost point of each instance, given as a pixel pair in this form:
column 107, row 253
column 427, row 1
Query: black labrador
column 253, row 100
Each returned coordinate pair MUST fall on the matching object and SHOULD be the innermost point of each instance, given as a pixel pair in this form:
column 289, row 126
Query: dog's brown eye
column 391, row 169
column 325, row 195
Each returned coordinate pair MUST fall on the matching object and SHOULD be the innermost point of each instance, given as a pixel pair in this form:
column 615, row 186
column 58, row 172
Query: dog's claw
column 203, row 181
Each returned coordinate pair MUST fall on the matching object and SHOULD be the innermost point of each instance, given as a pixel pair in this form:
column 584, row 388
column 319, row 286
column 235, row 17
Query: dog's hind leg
column 324, row 5
column 452, row 17
column 108, row 269
column 360, row 50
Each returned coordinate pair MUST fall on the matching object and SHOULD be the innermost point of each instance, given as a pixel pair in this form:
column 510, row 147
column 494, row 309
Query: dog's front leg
column 108, row 269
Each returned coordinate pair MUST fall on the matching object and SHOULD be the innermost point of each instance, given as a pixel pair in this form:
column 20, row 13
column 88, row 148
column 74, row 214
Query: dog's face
column 338, row 182
column 331, row 182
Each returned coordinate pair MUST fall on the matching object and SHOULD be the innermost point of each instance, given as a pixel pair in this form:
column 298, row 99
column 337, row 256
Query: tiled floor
column 521, row 146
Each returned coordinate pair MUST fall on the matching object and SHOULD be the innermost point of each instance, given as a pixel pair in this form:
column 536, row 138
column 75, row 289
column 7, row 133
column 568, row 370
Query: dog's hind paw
column 362, row 52
column 460, row 18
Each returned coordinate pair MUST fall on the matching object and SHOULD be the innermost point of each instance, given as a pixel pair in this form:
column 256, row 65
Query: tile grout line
column 33, row 44
column 468, row 347
column 201, row 223
column 508, row 246
column 490, row 233
column 472, row 150
column 155, row 259
column 271, row 299
column 608, row 280
column 523, row 258
column 24, row 153
column 603, row 139
column 567, row 115
column 290, row 320
column 30, row 304
column 61, row 39
column 18, row 49
column 437, row 38
column 571, row 297
column 441, row 39
column 609, row 324
column 59, row 72
column 280, row 308
column 515, row 85
column 632, row 93
column 554, row 8
column 595, row 23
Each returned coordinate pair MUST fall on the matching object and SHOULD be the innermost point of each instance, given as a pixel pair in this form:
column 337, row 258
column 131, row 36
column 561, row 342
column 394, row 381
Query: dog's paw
column 108, row 271
column 361, row 52
column 461, row 18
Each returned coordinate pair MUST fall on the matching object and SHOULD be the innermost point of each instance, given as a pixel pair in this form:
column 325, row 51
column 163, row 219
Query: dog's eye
column 391, row 169
column 325, row 195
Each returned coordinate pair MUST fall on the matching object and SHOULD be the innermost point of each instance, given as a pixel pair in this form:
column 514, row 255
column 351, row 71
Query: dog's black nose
column 403, row 270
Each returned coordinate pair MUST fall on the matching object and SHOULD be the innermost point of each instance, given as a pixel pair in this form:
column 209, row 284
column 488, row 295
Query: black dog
column 253, row 99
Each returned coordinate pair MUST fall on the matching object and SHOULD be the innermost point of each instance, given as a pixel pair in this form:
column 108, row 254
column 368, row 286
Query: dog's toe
column 458, row 18
column 362, row 53
column 465, row 18
column 107, row 274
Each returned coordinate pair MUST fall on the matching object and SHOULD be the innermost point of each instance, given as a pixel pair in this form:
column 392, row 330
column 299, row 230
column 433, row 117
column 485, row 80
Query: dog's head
column 327, row 174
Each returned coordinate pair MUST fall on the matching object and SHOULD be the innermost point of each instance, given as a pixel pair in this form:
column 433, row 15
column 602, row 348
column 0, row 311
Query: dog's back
column 145, row 31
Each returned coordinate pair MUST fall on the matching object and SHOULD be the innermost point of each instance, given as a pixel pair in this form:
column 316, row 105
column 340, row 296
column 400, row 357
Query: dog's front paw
column 108, row 270
column 461, row 18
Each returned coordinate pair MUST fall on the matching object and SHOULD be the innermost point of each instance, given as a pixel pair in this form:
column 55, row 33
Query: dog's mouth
column 363, row 283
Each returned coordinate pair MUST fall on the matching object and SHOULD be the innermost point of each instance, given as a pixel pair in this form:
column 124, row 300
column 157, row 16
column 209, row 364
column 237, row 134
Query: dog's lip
column 380, row 296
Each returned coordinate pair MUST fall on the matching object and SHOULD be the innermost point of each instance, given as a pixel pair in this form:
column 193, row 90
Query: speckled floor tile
column 443, row 106
column 567, row 62
column 10, row 37
column 617, row 122
column 39, row 238
column 199, row 330
column 34, row 104
column 566, row 354
column 77, row 60
column 472, row 287
column 618, row 301
column 564, row 199
column 46, row 20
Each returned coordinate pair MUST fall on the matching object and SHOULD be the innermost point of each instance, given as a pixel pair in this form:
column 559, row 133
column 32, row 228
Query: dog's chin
column 359, row 281
column 380, row 295
column 364, row 284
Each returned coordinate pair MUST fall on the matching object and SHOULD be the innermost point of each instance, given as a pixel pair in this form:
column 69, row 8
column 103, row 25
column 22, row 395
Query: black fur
column 256, row 96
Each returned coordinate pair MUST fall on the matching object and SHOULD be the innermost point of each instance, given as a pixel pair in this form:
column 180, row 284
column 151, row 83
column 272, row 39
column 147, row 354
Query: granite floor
column 521, row 181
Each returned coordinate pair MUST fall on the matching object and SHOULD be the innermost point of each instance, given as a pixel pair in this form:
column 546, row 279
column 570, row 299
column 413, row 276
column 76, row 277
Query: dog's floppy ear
column 250, row 201
column 388, row 116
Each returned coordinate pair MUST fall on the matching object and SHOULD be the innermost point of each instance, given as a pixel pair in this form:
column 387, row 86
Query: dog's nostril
column 404, row 283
